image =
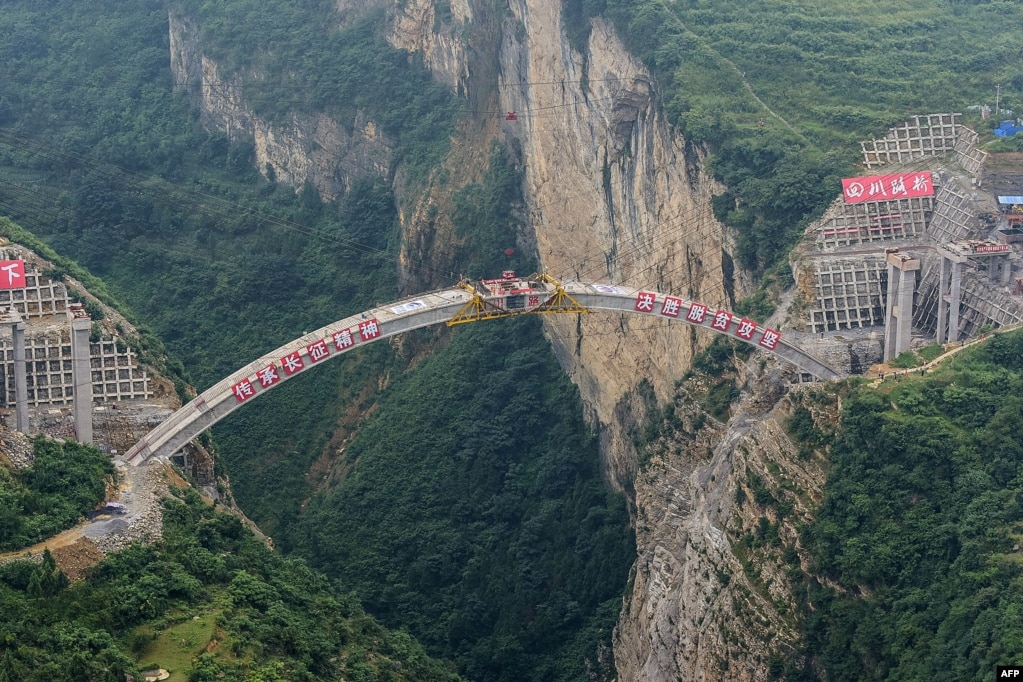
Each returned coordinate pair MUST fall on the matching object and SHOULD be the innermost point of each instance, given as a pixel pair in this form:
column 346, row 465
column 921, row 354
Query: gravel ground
column 140, row 490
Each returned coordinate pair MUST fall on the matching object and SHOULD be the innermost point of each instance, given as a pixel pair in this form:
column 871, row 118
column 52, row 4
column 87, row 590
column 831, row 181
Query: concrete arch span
column 469, row 302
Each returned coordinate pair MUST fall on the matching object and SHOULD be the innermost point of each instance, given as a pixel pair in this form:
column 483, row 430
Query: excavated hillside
column 612, row 194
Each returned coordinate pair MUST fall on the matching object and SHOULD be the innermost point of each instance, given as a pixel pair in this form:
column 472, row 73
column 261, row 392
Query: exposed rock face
column 613, row 194
column 422, row 28
column 309, row 148
column 711, row 599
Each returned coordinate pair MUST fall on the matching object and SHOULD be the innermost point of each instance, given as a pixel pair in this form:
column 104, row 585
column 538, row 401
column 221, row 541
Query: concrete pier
column 11, row 317
column 81, row 327
column 898, row 326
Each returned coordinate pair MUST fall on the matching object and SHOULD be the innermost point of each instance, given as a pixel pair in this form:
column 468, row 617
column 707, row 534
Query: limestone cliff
column 718, row 507
column 307, row 148
column 612, row 194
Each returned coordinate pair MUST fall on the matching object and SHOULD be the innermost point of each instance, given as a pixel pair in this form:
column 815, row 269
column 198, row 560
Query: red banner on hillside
column 12, row 274
column 887, row 187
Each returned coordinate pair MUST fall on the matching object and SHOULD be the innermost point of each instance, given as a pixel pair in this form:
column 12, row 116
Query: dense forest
column 195, row 246
column 784, row 95
column 468, row 506
column 474, row 514
column 209, row 586
column 916, row 566
column 65, row 481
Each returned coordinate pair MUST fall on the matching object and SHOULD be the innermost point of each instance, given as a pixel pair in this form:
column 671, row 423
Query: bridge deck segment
column 425, row 310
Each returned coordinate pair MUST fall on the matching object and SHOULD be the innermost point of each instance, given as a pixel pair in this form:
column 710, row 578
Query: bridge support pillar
column 11, row 317
column 1000, row 270
column 898, row 325
column 81, row 327
column 950, row 283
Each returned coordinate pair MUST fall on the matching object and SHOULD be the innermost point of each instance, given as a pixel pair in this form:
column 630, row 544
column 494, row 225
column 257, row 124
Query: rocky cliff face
column 612, row 194
column 718, row 507
column 307, row 148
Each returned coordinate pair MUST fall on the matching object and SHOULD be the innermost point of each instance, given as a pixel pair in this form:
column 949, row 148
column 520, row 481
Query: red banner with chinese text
column 887, row 187
column 12, row 274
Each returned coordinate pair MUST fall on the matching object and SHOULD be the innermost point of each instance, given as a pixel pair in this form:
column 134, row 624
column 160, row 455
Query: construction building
column 936, row 265
column 61, row 370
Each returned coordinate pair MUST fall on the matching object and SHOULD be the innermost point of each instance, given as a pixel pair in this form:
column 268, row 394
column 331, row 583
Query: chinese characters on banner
column 721, row 320
column 887, row 187
column 992, row 248
column 369, row 329
column 243, row 390
column 645, row 302
column 671, row 306
column 268, row 376
column 294, row 362
column 318, row 351
column 12, row 274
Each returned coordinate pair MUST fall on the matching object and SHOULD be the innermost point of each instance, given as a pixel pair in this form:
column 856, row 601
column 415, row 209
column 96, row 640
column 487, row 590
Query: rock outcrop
column 613, row 194
column 718, row 507
column 308, row 148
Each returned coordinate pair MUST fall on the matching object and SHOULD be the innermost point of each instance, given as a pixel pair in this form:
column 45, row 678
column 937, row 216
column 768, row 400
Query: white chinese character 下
column 369, row 329
column 920, row 183
column 671, row 306
column 722, row 319
column 292, row 363
column 243, row 390
column 899, row 185
column 343, row 339
column 696, row 313
column 746, row 329
column 645, row 302
column 318, row 351
column 268, row 376
column 14, row 271
column 877, row 189
column 770, row 339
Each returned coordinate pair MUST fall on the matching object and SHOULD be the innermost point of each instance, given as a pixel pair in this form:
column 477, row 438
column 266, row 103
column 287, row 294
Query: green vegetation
column 224, row 265
column 65, row 481
column 473, row 512
column 783, row 91
column 210, row 602
column 470, row 506
column 105, row 164
column 290, row 57
column 922, row 509
column 917, row 357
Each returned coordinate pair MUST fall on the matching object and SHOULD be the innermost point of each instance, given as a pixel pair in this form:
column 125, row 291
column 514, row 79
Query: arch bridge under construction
column 470, row 301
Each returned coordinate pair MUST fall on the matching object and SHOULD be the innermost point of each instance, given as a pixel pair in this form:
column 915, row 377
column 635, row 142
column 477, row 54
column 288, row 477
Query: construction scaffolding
column 918, row 137
column 845, row 280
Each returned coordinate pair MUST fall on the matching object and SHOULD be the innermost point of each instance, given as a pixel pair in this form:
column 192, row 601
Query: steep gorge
column 612, row 193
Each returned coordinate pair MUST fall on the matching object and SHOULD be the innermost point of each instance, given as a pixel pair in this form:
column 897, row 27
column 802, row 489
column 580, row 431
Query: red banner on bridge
column 887, row 187
column 243, row 390
column 992, row 248
column 699, row 314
